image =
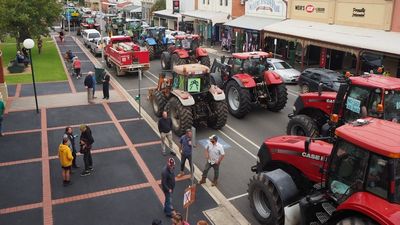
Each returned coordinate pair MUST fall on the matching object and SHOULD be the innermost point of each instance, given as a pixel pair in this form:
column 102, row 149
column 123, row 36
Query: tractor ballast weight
column 185, row 50
column 189, row 98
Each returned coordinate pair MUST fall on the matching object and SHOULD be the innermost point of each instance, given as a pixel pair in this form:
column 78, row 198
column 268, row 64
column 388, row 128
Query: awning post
column 358, row 54
column 302, row 56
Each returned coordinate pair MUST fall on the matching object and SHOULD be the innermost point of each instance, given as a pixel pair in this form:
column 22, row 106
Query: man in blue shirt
column 186, row 151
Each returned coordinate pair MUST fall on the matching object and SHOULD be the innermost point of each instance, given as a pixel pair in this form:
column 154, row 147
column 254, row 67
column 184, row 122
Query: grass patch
column 47, row 66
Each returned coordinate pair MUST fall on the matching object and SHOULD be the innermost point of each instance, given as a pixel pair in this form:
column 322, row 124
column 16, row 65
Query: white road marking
column 244, row 149
column 136, row 89
column 241, row 135
column 237, row 196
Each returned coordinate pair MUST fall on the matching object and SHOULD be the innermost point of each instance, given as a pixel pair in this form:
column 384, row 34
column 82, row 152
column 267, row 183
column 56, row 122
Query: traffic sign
column 68, row 16
column 189, row 196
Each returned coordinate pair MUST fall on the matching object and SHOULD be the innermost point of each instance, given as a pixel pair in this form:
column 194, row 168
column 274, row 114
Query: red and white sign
column 310, row 8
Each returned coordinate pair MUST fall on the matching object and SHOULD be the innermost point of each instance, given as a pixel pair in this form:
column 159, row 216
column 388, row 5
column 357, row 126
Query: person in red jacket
column 76, row 64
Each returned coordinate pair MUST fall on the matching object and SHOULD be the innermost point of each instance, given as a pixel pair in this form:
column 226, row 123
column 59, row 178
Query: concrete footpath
column 125, row 185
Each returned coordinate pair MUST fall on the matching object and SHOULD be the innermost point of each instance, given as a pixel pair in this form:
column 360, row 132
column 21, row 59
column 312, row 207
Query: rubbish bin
column 99, row 74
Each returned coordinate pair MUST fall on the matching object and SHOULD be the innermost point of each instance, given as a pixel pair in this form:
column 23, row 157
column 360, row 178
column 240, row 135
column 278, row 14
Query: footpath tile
column 45, row 89
column 31, row 217
column 126, row 208
column 22, row 120
column 20, row 184
column 75, row 115
column 123, row 110
column 139, row 131
column 111, row 170
column 20, row 146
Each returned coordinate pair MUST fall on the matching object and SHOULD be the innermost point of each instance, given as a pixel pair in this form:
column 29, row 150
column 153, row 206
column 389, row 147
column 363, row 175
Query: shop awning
column 167, row 13
column 251, row 22
column 339, row 35
column 130, row 8
column 214, row 17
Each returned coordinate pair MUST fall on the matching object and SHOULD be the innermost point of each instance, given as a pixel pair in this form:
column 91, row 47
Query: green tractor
column 115, row 25
column 133, row 28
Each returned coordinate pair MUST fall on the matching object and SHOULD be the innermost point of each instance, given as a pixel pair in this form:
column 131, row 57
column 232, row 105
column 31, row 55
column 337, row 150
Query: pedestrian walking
column 61, row 36
column 177, row 219
column 165, row 129
column 94, row 85
column 40, row 44
column 168, row 185
column 76, row 65
column 65, row 156
column 106, row 86
column 186, row 151
column 86, row 141
column 71, row 137
column 214, row 153
column 2, row 109
column 88, row 82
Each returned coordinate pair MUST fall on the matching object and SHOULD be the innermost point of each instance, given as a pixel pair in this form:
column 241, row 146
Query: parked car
column 310, row 79
column 96, row 46
column 89, row 35
column 286, row 71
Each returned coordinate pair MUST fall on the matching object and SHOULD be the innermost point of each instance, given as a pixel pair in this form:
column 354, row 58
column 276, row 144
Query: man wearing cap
column 214, row 154
column 168, row 185
column 89, row 86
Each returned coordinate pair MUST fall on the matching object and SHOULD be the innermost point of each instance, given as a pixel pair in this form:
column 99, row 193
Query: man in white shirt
column 214, row 153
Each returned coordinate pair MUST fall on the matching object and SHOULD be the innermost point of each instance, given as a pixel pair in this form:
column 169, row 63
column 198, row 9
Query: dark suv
column 310, row 79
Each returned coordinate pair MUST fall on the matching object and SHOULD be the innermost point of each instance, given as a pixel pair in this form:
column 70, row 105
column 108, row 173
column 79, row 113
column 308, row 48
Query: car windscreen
column 282, row 65
column 94, row 35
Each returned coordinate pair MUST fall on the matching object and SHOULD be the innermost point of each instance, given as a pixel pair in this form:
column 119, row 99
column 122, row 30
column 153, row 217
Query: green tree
column 27, row 18
column 158, row 5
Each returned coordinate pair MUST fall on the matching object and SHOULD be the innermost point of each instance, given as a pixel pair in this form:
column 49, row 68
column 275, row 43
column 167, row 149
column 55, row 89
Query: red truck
column 125, row 56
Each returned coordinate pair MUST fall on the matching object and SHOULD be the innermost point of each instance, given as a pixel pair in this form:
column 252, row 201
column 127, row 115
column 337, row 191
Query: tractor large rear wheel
column 238, row 99
column 220, row 109
column 181, row 116
column 356, row 221
column 151, row 50
column 205, row 60
column 265, row 201
column 302, row 125
column 158, row 102
column 175, row 60
column 278, row 97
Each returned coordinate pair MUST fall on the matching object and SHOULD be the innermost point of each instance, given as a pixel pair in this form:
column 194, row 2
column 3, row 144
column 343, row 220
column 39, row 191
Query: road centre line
column 235, row 142
column 237, row 196
column 241, row 135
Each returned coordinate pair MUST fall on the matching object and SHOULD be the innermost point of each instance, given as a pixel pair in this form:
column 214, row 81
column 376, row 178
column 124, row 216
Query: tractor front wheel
column 205, row 60
column 151, row 50
column 220, row 109
column 238, row 99
column 278, row 97
column 158, row 102
column 265, row 201
column 356, row 221
column 181, row 116
column 302, row 125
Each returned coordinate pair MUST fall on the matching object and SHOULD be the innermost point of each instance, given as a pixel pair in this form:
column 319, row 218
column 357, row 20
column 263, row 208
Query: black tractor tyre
column 243, row 99
column 182, row 118
column 302, row 125
column 175, row 61
column 220, row 109
column 278, row 97
column 158, row 102
column 165, row 61
column 356, row 221
column 265, row 201
column 151, row 50
column 205, row 60
column 109, row 65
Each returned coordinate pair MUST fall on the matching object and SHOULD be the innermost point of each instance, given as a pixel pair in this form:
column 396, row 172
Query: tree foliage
column 23, row 19
column 158, row 5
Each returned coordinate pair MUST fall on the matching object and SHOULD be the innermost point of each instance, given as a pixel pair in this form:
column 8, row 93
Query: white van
column 88, row 35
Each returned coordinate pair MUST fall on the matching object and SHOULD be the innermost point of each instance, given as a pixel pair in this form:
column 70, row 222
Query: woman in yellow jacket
column 65, row 156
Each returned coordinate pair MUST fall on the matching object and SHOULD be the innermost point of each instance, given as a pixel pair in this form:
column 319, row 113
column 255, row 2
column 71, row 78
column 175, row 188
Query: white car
column 88, row 35
column 286, row 71
column 170, row 34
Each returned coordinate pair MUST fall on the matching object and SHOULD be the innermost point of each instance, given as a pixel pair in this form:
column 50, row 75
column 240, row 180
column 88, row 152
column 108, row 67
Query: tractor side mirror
column 307, row 145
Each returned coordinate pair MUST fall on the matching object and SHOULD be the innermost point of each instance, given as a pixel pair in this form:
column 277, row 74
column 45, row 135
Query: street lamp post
column 29, row 44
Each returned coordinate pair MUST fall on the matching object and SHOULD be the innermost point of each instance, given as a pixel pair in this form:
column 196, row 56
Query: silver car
column 286, row 71
column 96, row 46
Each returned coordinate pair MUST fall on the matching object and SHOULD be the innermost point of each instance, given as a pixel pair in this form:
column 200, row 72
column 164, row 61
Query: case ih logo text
column 313, row 156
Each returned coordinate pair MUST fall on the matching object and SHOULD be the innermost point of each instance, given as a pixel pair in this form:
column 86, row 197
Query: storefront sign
column 322, row 58
column 309, row 8
column 175, row 6
column 318, row 10
column 357, row 12
column 266, row 8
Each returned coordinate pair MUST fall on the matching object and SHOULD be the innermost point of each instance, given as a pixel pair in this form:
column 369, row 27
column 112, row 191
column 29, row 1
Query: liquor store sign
column 309, row 10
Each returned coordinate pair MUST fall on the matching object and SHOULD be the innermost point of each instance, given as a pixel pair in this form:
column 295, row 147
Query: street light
column 29, row 44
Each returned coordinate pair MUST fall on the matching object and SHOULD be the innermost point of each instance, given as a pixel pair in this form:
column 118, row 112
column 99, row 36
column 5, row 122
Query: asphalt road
column 241, row 137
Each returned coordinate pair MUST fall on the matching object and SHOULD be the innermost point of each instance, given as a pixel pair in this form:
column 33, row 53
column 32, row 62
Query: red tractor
column 355, row 180
column 89, row 22
column 185, row 50
column 247, row 81
column 368, row 95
